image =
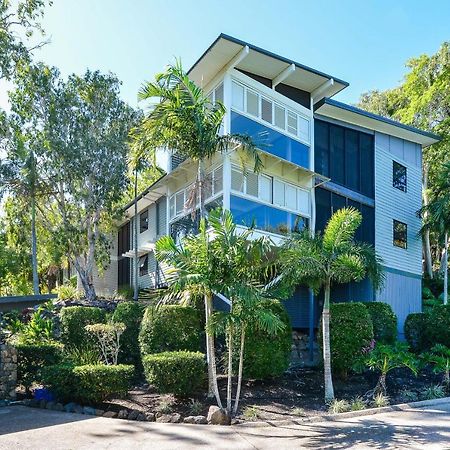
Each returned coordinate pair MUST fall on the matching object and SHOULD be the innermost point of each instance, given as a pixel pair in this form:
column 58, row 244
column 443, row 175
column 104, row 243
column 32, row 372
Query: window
column 265, row 188
column 266, row 110
column 143, row 221
column 399, row 180
column 237, row 96
column 179, row 203
column 337, row 157
column 217, row 180
column 253, row 103
column 143, row 265
column 252, row 184
column 292, row 122
column 400, row 234
column 352, row 173
column 218, row 93
column 237, row 180
column 278, row 193
column 280, row 117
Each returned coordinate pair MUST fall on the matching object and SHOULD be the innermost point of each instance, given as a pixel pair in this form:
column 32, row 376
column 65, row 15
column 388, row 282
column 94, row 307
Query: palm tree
column 334, row 257
column 222, row 260
column 436, row 216
column 185, row 120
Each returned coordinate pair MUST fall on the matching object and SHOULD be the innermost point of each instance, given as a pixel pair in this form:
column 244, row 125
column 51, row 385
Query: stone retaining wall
column 300, row 356
column 8, row 372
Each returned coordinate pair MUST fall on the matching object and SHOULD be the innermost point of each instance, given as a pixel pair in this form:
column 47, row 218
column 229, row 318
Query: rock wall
column 8, row 372
column 300, row 356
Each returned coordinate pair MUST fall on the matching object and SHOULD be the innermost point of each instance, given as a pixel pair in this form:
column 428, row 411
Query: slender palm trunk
column 446, row 269
column 34, row 262
column 200, row 183
column 135, row 239
column 230, row 369
column 213, row 388
column 329, row 391
column 241, row 366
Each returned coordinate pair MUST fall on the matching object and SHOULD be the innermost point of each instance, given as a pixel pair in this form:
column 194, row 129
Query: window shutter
column 179, row 202
column 292, row 122
column 218, row 180
column 218, row 92
column 278, row 193
column 303, row 128
column 172, row 206
column 266, row 110
column 237, row 95
column 280, row 117
column 252, row 184
column 291, row 197
column 265, row 188
column 237, row 180
column 252, row 103
column 303, row 201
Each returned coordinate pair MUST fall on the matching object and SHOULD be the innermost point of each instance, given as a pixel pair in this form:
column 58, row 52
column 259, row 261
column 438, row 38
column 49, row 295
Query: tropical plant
column 107, row 336
column 439, row 357
column 338, row 406
column 384, row 358
column 332, row 258
column 431, row 392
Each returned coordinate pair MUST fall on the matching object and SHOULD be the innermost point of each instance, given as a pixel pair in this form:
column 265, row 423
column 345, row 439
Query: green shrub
column 437, row 328
column 180, row 373
column 32, row 358
column 351, row 332
column 129, row 313
column 268, row 355
column 384, row 322
column 415, row 331
column 88, row 384
column 60, row 379
column 74, row 319
column 170, row 328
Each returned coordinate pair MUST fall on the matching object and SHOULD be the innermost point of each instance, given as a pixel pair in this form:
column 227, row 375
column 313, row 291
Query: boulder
column 133, row 414
column 70, row 407
column 58, row 407
column 150, row 417
column 110, row 414
column 88, row 410
column 123, row 414
column 198, row 420
column 217, row 416
column 50, row 405
column 141, row 417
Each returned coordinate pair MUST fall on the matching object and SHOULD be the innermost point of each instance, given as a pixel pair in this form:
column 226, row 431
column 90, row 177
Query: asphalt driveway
column 27, row 428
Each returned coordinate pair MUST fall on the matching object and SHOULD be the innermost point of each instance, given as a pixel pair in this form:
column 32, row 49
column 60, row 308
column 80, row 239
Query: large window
column 264, row 217
column 399, row 176
column 143, row 221
column 345, row 155
column 400, row 234
column 257, row 105
column 143, row 265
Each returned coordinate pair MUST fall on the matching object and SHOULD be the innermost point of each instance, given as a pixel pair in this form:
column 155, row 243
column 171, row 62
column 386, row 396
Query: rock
column 140, row 417
column 78, row 409
column 50, row 405
column 26, row 402
column 164, row 418
column 58, row 407
column 99, row 412
column 70, row 407
column 150, row 417
column 176, row 418
column 88, row 410
column 217, row 416
column 42, row 403
column 110, row 414
column 133, row 414
column 198, row 420
column 123, row 414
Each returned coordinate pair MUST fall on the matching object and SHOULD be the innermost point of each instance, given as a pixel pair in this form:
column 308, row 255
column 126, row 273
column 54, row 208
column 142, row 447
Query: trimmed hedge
column 180, row 373
column 90, row 383
column 32, row 358
column 384, row 322
column 351, row 331
column 74, row 319
column 415, row 331
column 130, row 314
column 437, row 326
column 267, row 355
column 170, row 328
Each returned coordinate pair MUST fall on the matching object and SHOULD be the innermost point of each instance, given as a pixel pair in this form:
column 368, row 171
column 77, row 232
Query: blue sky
column 365, row 42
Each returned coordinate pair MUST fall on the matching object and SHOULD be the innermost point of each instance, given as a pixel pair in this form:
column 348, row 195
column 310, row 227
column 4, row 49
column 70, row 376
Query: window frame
column 143, row 265
column 396, row 241
column 396, row 183
column 143, row 229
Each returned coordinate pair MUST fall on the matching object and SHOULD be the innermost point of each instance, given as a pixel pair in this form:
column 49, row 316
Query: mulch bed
column 299, row 393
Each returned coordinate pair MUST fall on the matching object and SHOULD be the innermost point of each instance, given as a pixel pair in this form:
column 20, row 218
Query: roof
column 337, row 110
column 260, row 62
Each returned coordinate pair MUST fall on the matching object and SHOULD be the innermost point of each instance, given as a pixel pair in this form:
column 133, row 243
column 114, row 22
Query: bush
column 384, row 322
column 32, row 358
column 180, row 373
column 73, row 321
column 437, row 327
column 129, row 313
column 88, row 384
column 170, row 328
column 415, row 331
column 351, row 332
column 268, row 355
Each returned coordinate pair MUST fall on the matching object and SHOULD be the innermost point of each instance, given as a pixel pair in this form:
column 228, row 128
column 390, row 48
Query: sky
column 365, row 42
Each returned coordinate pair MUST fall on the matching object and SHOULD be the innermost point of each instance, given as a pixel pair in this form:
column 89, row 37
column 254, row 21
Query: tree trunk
column 200, row 183
column 34, row 262
column 329, row 391
column 241, row 366
column 230, row 369
column 426, row 236
column 213, row 388
column 135, row 239
column 446, row 269
column 86, row 281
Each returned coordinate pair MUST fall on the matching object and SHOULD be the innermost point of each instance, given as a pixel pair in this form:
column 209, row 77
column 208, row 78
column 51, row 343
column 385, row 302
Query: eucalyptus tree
column 332, row 258
column 183, row 118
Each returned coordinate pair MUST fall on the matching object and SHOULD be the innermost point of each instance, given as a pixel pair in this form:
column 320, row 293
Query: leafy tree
column 422, row 100
column 334, row 257
column 185, row 119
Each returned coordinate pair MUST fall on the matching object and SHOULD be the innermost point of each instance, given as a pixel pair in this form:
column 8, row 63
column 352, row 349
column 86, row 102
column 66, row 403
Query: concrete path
column 26, row 428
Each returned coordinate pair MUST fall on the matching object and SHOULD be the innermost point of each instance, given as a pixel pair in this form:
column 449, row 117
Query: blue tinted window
column 248, row 213
column 271, row 141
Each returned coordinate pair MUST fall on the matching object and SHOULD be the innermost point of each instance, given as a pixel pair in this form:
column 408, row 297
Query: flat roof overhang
column 259, row 62
column 356, row 116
